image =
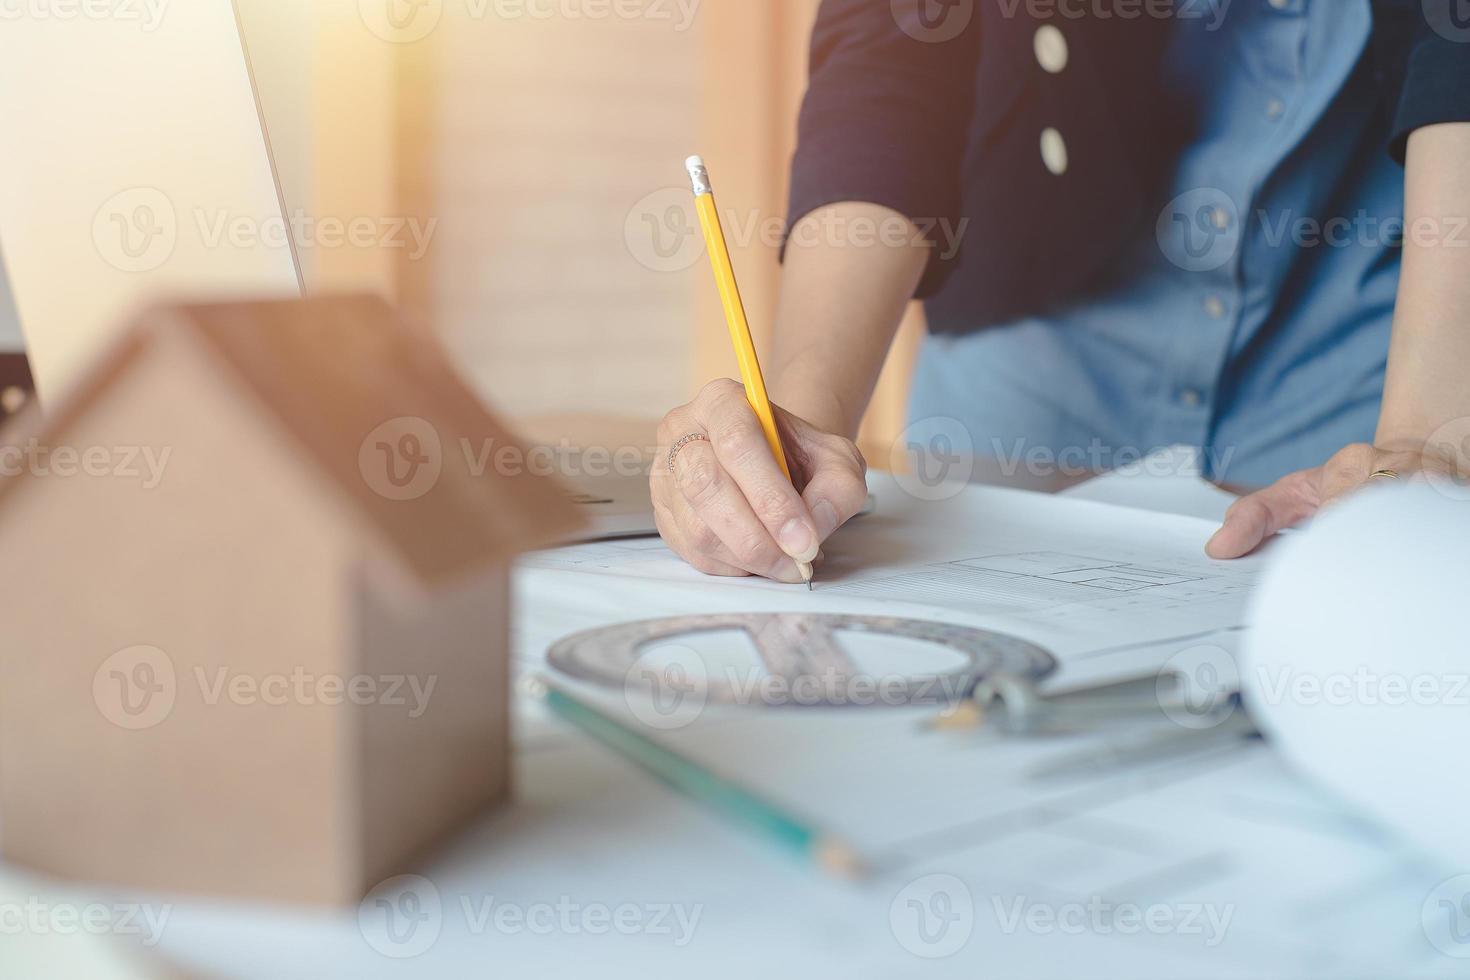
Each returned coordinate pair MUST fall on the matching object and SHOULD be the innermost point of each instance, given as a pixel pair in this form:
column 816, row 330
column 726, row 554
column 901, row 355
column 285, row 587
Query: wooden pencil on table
column 724, row 796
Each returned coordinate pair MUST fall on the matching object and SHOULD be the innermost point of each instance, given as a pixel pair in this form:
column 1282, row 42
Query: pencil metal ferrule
column 699, row 176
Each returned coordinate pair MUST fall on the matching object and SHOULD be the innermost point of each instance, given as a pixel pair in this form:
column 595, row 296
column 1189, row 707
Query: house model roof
column 343, row 378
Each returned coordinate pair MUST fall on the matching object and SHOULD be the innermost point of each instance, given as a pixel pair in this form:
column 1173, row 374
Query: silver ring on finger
column 678, row 446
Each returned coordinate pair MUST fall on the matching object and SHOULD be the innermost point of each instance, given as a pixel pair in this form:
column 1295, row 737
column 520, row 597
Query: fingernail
column 1211, row 545
column 826, row 517
column 788, row 573
column 797, row 540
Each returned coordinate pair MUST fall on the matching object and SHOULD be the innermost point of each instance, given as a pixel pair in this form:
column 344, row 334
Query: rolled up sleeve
column 887, row 113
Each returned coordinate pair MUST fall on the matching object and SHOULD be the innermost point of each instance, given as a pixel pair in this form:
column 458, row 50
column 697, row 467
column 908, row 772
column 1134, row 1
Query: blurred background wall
column 539, row 147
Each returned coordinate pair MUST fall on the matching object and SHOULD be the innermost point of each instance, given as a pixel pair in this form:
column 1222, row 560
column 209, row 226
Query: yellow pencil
column 750, row 367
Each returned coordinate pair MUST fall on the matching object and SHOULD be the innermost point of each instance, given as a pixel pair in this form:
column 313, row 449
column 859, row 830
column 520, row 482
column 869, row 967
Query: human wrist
column 809, row 395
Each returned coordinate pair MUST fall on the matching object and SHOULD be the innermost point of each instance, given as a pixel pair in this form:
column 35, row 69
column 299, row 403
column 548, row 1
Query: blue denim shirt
column 1252, row 320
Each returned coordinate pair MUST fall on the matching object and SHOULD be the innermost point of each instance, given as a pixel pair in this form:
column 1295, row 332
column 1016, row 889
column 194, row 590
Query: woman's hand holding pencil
column 726, row 506
column 748, row 489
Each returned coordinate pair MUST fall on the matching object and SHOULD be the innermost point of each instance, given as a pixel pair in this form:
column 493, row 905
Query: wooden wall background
column 536, row 144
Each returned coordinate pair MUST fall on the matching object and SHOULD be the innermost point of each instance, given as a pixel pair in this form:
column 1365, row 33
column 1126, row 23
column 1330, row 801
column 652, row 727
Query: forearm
column 850, row 272
column 1428, row 381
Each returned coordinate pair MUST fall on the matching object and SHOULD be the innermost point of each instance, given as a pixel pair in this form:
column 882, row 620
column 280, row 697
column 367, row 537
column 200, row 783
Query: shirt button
column 1275, row 109
column 1191, row 398
column 1051, row 48
column 1215, row 307
column 1220, row 218
column 1279, row 4
column 1053, row 151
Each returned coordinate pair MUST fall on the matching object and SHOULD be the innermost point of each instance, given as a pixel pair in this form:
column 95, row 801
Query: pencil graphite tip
column 807, row 573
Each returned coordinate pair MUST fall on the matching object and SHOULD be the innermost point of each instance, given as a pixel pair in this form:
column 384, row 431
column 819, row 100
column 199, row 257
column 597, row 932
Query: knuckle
column 738, row 442
column 699, row 478
column 1407, row 458
column 1351, row 457
column 770, row 504
column 852, row 459
column 720, row 388
column 845, row 454
column 1296, row 486
column 702, row 540
column 835, row 442
column 853, row 496
column 672, row 421
column 754, row 550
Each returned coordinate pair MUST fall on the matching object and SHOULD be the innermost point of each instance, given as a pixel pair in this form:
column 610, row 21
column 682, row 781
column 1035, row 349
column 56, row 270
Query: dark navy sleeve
column 887, row 114
column 1436, row 79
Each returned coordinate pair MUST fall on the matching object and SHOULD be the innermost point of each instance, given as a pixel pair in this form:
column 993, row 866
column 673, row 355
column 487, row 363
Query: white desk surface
column 598, row 870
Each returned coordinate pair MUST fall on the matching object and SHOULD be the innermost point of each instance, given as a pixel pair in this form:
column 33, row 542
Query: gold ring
column 1384, row 475
column 691, row 437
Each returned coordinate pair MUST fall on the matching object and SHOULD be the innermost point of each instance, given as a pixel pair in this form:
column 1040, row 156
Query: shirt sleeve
column 1436, row 75
column 887, row 113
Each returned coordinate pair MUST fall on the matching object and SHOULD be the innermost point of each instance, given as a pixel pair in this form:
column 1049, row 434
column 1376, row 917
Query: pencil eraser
column 698, row 176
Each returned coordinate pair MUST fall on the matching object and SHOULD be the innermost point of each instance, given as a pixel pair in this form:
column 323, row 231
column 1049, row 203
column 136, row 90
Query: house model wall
column 258, row 640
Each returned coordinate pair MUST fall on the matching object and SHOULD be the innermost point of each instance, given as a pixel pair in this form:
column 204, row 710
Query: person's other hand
column 727, row 508
column 1297, row 497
